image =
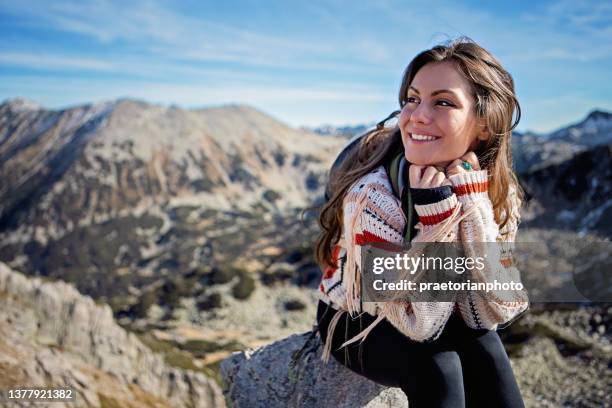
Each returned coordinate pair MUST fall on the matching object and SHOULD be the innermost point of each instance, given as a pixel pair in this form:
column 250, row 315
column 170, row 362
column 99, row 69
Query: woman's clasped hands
column 437, row 176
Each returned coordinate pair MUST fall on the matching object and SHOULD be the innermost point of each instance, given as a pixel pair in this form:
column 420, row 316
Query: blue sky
column 305, row 63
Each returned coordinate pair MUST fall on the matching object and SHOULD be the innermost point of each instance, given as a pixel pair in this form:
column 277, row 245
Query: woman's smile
column 421, row 138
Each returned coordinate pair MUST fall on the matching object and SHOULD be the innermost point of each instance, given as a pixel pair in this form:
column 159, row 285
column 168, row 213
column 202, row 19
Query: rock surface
column 52, row 336
column 265, row 377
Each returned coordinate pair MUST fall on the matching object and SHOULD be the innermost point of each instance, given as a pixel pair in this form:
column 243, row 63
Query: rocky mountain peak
column 19, row 104
column 599, row 115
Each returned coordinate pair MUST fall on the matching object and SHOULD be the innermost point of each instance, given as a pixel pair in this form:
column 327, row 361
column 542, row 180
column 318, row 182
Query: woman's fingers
column 426, row 177
column 456, row 166
column 414, row 174
column 430, row 176
column 471, row 158
column 438, row 179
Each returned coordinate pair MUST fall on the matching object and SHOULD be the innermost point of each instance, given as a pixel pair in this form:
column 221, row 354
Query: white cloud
column 155, row 29
column 55, row 62
column 188, row 94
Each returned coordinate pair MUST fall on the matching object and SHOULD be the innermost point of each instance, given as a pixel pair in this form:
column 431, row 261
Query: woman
column 457, row 107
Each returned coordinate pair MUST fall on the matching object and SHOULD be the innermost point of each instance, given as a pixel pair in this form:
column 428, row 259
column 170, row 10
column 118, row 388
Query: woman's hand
column 426, row 177
column 456, row 166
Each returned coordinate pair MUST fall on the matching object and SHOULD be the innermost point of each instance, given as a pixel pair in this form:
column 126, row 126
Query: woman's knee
column 488, row 374
column 447, row 365
column 435, row 380
column 489, row 350
column 441, row 369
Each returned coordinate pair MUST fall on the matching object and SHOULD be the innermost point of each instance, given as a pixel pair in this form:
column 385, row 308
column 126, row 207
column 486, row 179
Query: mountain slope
column 115, row 196
column 85, row 164
column 575, row 194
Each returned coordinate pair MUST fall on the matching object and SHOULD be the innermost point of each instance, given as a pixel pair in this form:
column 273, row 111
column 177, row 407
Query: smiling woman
column 453, row 139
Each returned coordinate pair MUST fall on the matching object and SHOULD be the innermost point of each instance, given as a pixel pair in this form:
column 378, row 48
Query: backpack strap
column 392, row 169
column 397, row 171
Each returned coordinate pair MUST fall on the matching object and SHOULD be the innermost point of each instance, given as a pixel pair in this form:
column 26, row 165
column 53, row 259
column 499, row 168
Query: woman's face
column 438, row 123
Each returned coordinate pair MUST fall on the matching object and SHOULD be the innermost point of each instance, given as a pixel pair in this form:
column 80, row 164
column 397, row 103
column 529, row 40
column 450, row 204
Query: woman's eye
column 445, row 103
column 411, row 99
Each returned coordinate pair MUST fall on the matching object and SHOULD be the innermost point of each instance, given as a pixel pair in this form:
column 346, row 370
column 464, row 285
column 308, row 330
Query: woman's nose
column 421, row 114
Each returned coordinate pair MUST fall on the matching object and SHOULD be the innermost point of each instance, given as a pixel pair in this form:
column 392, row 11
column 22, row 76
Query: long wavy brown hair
column 496, row 102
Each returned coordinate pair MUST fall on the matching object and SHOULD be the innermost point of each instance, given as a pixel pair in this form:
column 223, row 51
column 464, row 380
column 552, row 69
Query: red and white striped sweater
column 372, row 214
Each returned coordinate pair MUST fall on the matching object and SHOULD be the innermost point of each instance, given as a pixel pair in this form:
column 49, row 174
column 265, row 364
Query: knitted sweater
column 461, row 213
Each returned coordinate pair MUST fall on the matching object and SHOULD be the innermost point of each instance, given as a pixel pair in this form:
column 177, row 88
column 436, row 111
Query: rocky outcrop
column 52, row 336
column 267, row 377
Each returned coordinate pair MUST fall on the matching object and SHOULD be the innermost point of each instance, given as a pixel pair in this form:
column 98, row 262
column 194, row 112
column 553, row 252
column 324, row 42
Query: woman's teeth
column 414, row 136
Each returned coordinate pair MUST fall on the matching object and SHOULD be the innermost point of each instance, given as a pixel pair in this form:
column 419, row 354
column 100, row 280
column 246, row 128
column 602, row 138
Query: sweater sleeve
column 374, row 215
column 478, row 230
column 433, row 207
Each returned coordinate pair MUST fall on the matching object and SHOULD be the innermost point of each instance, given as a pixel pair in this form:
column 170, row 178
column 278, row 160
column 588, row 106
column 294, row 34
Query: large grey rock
column 266, row 377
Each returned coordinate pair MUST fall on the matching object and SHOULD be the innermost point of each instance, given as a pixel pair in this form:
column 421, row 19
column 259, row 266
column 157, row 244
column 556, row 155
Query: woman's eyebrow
column 416, row 91
column 439, row 91
column 434, row 93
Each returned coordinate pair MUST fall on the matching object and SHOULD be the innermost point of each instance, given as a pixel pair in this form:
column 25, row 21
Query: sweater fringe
column 352, row 275
column 330, row 334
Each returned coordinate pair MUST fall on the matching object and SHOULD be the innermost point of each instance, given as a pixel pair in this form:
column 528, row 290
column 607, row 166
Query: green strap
column 408, row 209
column 392, row 169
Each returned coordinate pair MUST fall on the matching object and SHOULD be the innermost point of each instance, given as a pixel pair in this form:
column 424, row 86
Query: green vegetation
column 271, row 195
column 312, row 181
column 9, row 251
column 294, row 304
column 280, row 274
column 279, row 157
column 193, row 284
column 202, row 185
column 183, row 359
column 244, row 288
column 221, row 275
column 108, row 402
column 212, row 301
column 86, row 255
column 140, row 309
column 181, row 213
column 172, row 291
column 238, row 174
column 299, row 158
column 199, row 348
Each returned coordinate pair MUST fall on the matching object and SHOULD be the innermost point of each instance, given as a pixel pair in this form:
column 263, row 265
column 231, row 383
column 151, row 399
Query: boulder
column 271, row 376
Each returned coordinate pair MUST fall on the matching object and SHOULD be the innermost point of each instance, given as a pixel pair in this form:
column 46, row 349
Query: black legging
column 462, row 368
